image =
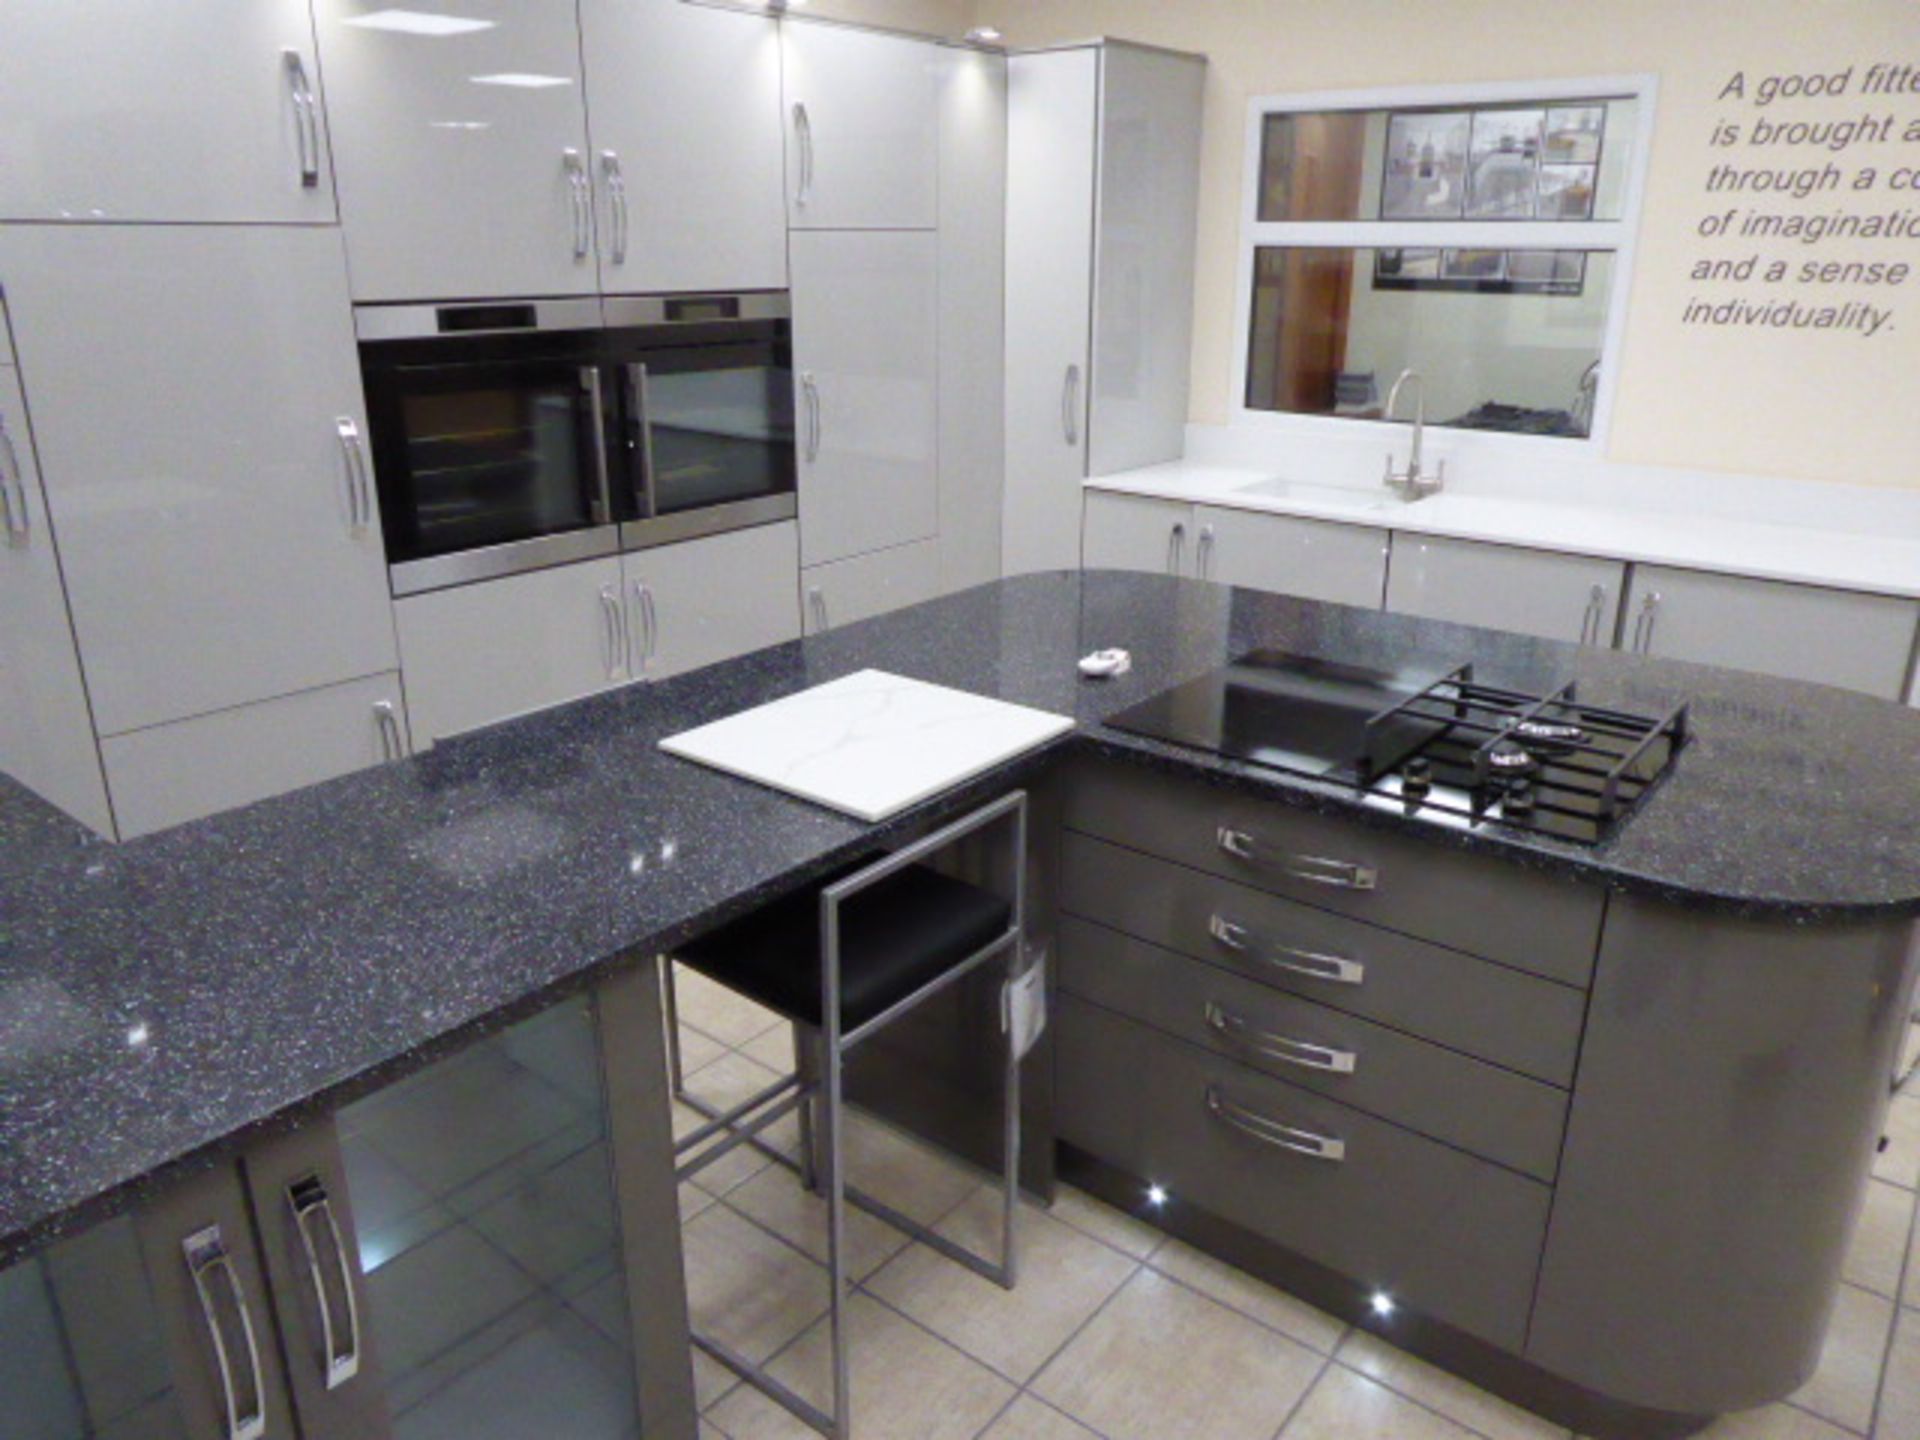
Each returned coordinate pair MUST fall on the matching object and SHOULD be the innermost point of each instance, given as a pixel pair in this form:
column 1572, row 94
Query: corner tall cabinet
column 1103, row 165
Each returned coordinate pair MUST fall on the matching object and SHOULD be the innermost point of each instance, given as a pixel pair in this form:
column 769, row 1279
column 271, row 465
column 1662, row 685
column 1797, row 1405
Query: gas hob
column 1431, row 742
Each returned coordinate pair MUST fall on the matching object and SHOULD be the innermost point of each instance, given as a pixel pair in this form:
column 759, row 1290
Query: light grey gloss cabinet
column 1575, row 598
column 46, row 730
column 197, row 410
column 1802, row 632
column 460, row 145
column 1136, row 532
column 683, row 110
column 1314, row 559
column 122, row 110
column 862, row 132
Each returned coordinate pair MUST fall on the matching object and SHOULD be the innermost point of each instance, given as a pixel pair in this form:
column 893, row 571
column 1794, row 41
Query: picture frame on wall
column 1503, row 164
column 1424, row 176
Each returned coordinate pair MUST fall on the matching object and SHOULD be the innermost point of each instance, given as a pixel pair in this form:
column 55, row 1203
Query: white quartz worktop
column 1885, row 563
column 871, row 743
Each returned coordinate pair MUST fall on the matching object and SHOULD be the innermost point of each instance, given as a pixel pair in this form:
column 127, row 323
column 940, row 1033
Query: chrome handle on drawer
column 1279, row 1047
column 206, row 1255
column 1314, row 964
column 1316, row 869
column 1269, row 1131
column 339, row 1349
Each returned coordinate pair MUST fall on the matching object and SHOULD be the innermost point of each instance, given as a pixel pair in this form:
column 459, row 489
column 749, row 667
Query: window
column 1478, row 237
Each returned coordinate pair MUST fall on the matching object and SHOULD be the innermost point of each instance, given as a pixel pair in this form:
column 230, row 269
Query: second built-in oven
column 510, row 436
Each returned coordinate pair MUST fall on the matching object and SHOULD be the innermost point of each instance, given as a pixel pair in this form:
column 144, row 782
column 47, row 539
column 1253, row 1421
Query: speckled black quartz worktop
column 161, row 999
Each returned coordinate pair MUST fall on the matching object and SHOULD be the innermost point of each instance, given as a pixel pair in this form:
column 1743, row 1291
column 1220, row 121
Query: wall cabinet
column 1802, row 632
column 861, row 129
column 460, row 145
column 1574, row 598
column 1315, row 559
column 335, row 1282
column 46, row 729
column 683, row 102
column 197, row 408
column 123, row 111
column 868, row 585
column 1135, row 532
column 707, row 600
column 476, row 654
column 1102, row 189
column 169, row 774
column 866, row 370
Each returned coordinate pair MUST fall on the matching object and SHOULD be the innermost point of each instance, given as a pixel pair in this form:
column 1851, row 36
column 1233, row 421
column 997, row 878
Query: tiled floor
column 1117, row 1332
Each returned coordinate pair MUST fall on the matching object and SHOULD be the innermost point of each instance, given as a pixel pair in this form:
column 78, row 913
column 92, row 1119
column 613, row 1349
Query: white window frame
column 1619, row 236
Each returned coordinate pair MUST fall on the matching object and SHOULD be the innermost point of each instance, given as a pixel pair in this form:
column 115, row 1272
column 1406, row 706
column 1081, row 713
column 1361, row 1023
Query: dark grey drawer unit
column 1422, row 888
column 1451, row 1097
column 1455, row 1000
column 1456, row 1238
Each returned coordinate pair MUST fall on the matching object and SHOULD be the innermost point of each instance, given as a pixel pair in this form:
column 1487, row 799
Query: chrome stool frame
column 815, row 1091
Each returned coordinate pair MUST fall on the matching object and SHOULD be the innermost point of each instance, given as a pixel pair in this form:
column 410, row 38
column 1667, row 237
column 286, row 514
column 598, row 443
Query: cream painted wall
column 1813, row 405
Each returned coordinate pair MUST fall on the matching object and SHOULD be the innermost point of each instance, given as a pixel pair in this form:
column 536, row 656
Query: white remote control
column 1103, row 663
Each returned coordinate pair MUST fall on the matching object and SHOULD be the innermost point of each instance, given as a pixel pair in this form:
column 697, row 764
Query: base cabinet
column 1314, row 559
column 709, row 600
column 1801, row 632
column 1574, row 598
column 488, row 1247
column 1134, row 532
column 477, row 654
column 868, row 585
column 170, row 774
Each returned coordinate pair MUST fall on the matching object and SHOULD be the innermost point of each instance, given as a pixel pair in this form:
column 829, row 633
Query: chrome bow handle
column 1276, row 1133
column 1315, row 869
column 1278, row 1047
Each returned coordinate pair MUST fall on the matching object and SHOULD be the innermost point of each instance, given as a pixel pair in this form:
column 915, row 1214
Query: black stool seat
column 895, row 936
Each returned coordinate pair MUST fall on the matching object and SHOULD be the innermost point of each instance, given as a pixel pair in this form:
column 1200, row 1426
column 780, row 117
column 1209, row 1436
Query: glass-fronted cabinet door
column 153, row 1325
column 515, row 1228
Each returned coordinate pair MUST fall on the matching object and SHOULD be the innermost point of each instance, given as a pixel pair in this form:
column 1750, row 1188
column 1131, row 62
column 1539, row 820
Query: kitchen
column 584, row 387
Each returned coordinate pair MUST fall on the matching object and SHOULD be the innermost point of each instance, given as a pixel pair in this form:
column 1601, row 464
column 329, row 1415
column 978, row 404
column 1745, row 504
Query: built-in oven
column 510, row 436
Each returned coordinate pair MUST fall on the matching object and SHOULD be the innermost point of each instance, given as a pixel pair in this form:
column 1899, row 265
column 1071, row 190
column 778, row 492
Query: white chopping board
column 870, row 744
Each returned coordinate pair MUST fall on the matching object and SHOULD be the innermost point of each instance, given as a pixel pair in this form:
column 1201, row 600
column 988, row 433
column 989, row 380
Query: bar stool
column 841, row 960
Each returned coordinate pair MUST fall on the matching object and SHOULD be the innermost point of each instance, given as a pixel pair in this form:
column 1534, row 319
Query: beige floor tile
column 774, row 1199
column 734, row 1079
column 730, row 1018
column 1910, row 1052
column 692, row 1200
column 1028, row 1419
column 1910, row 1287
column 712, row 1381
column 1773, row 1422
column 1458, row 1399
column 1062, row 1278
column 906, row 1384
column 729, row 1170
column 745, row 1288
column 1106, row 1224
column 773, row 1048
column 1160, row 1355
column 697, row 1050
column 711, row 1431
column 1842, row 1389
column 1344, row 1405
column 1899, row 1413
column 1285, row 1313
column 1900, row 1161
column 1879, row 1245
column 914, row 1178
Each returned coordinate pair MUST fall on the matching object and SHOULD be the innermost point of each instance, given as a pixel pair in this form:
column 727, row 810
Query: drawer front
column 1455, row 1000
column 1453, row 1237
column 1474, row 903
column 1451, row 1097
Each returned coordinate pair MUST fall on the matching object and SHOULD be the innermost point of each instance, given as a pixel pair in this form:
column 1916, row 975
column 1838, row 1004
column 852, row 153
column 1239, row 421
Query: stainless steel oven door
column 709, row 437
column 491, row 468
